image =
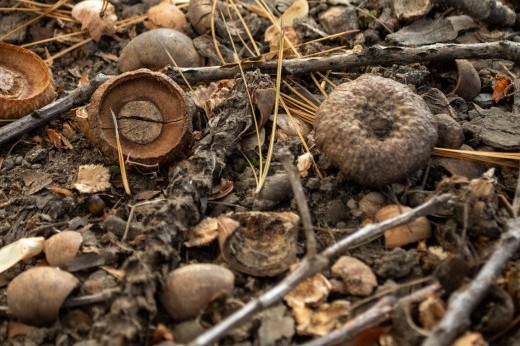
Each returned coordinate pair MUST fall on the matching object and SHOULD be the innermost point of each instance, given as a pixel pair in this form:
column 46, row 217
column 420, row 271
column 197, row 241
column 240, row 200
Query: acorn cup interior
column 25, row 81
column 153, row 117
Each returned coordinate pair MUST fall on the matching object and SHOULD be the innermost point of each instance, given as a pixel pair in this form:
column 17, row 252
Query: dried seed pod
column 411, row 232
column 150, row 50
column 376, row 130
column 358, row 277
column 259, row 243
column 152, row 112
column 25, row 82
column 36, row 295
column 190, row 288
column 62, row 248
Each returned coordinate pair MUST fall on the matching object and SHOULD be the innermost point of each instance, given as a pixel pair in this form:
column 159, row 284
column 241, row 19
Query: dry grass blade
column 503, row 159
column 237, row 31
column 35, row 19
column 122, row 166
column 246, row 28
column 275, row 116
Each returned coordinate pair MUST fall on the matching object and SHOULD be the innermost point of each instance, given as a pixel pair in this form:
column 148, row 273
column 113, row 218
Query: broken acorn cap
column 376, row 130
column 153, row 117
column 25, row 82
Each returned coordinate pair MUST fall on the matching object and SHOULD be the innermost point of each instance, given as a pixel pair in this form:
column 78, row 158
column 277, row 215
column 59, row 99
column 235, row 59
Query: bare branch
column 461, row 304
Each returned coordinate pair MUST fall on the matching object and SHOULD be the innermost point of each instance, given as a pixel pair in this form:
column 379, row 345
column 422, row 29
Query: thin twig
column 461, row 304
column 311, row 265
column 284, row 155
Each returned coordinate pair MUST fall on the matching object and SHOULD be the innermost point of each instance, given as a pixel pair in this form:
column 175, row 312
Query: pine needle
column 503, row 159
column 120, row 157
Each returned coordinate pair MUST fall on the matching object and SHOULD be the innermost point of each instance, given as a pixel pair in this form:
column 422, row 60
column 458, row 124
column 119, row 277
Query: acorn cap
column 153, row 116
column 25, row 82
column 376, row 130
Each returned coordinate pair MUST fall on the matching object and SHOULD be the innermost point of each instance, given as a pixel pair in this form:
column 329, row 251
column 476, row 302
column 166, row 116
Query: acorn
column 190, row 288
column 25, row 82
column 376, row 130
column 36, row 295
column 153, row 117
column 410, row 232
column 62, row 248
column 150, row 50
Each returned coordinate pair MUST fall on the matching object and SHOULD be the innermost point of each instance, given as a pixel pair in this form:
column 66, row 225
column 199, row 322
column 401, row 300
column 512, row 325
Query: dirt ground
column 130, row 242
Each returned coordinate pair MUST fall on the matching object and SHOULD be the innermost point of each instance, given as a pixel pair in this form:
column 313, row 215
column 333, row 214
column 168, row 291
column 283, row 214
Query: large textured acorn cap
column 153, row 116
column 25, row 82
column 376, row 130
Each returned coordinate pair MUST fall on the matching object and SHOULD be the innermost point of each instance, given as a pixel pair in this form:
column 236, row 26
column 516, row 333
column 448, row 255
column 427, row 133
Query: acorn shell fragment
column 153, row 116
column 259, row 243
column 376, row 130
column 25, row 82
column 62, row 248
column 36, row 295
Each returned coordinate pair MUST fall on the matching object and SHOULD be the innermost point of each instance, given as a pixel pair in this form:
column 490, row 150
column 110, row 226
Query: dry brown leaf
column 92, row 178
column 500, row 88
column 322, row 320
column 166, row 15
column 311, row 291
column 87, row 12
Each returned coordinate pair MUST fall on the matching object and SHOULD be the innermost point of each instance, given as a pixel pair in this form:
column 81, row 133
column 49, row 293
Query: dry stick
column 374, row 316
column 461, row 304
column 284, row 155
column 75, row 98
column 375, row 55
column 311, row 265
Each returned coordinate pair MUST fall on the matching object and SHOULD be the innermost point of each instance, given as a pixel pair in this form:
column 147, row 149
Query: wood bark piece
column 376, row 55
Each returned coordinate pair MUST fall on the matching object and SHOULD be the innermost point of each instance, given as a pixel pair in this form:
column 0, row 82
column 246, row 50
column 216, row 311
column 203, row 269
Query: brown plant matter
column 376, row 130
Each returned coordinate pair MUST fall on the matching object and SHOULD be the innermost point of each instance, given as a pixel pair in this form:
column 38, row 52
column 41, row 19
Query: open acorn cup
column 153, row 116
column 25, row 82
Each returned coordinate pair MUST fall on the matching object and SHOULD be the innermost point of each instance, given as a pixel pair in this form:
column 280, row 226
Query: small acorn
column 36, row 295
column 150, row 50
column 62, row 248
column 190, row 288
column 376, row 130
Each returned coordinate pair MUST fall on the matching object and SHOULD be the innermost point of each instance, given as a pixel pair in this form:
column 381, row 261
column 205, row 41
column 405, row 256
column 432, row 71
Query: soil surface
column 130, row 242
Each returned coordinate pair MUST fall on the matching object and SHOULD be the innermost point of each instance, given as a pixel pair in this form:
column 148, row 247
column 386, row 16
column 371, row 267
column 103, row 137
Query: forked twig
column 311, row 265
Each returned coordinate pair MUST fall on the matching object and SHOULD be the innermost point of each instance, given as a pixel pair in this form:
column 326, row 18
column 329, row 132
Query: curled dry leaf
column 264, row 243
column 358, row 278
column 411, row 232
column 304, row 163
column 203, row 233
column 88, row 13
column 501, row 87
column 468, row 81
column 299, row 9
column 166, row 15
column 431, row 311
column 322, row 320
column 311, row 291
column 20, row 250
column 92, row 178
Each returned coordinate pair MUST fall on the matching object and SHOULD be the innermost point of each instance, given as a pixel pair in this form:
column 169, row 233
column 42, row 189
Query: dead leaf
column 320, row 321
column 88, row 13
column 501, row 87
column 22, row 249
column 92, row 178
column 311, row 291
